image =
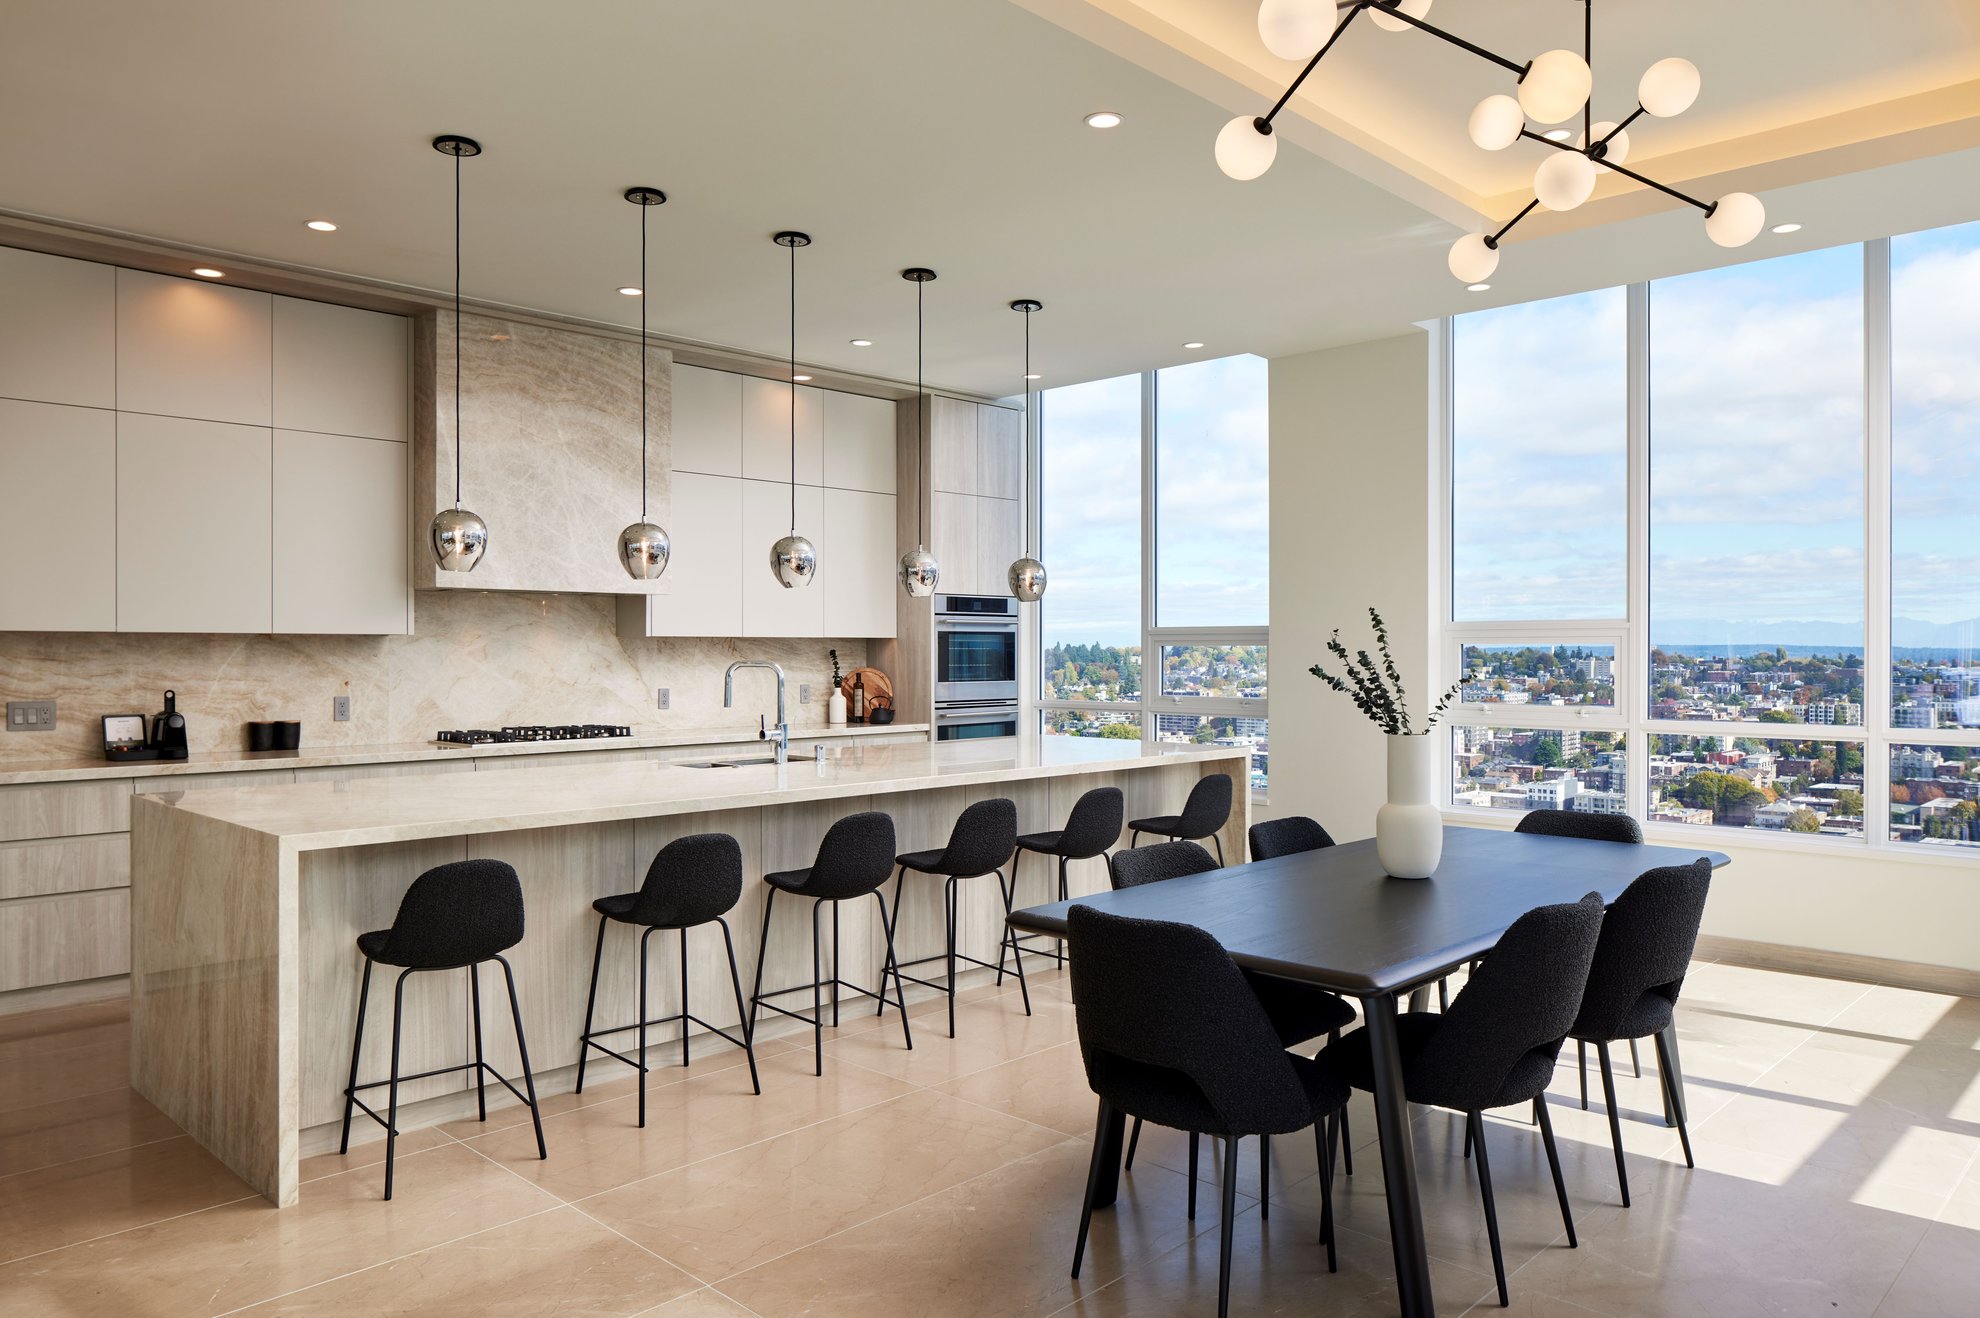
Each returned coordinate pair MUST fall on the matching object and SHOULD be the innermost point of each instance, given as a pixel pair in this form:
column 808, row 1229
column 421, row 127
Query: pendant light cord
column 1027, row 426
column 920, row 423
column 457, row 331
column 643, row 209
column 794, row 388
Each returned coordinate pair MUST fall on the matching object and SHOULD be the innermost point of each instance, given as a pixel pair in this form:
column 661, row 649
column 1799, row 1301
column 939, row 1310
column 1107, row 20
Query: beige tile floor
column 1836, row 1126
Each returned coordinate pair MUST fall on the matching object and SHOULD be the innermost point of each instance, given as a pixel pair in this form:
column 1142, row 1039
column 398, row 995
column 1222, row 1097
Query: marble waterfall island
column 245, row 905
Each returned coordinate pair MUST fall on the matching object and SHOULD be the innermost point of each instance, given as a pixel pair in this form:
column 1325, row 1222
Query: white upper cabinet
column 769, row 609
column 339, row 370
column 58, row 329
column 705, row 570
column 766, row 431
column 340, row 535
column 999, row 453
column 856, row 563
column 859, row 443
column 59, row 468
column 192, row 349
column 951, row 445
column 193, row 525
column 707, row 421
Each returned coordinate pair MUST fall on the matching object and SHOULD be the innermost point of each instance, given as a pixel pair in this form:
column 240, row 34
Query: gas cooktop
column 532, row 732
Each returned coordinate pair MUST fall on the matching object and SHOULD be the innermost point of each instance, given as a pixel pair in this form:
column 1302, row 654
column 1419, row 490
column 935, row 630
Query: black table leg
column 1107, row 1166
column 1398, row 1159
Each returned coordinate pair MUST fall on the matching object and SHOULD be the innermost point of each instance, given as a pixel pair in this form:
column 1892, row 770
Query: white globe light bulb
column 1294, row 29
column 1496, row 122
column 1617, row 149
column 1668, row 87
column 1242, row 151
column 1472, row 260
column 1555, row 86
column 1564, row 180
column 1389, row 23
column 1736, row 219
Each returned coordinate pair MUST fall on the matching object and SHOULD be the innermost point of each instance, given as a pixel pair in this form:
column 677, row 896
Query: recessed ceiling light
column 208, row 272
column 862, row 343
column 1103, row 119
column 1787, row 228
column 632, row 292
column 323, row 226
column 1560, row 135
column 1476, row 288
column 1192, row 345
column 800, row 378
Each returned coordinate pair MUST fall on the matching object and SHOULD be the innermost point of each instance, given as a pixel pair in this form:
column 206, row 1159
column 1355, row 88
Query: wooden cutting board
column 878, row 685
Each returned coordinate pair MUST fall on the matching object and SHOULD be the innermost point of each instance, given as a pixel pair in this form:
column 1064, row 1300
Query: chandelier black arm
column 1355, row 7
column 1454, row 39
column 1492, row 240
column 1707, row 206
column 1634, row 115
column 1311, row 64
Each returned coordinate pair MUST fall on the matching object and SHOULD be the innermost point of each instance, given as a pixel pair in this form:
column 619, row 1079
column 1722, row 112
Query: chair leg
column 1059, row 945
column 684, row 999
column 893, row 959
column 392, row 1108
column 1017, row 859
column 357, row 1044
column 1229, row 1222
column 1581, row 1057
column 1219, row 840
column 1615, row 1121
column 1443, row 995
column 762, row 955
column 1092, row 1184
column 949, row 947
column 1477, row 1123
column 1673, row 1097
column 480, row 1069
column 1010, row 937
column 836, row 976
column 1264, row 1178
column 590, row 1004
column 522, row 1052
column 1347, row 1154
column 1134, row 1138
column 1192, row 1176
column 641, row 1077
column 1467, row 1139
column 1323, row 1134
column 900, row 881
column 1554, row 1165
column 817, row 998
column 742, row 1012
column 1134, row 839
column 1635, row 1062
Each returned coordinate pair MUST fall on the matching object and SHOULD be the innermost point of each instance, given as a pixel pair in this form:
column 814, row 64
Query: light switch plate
column 30, row 716
column 666, row 698
column 804, row 693
column 340, row 709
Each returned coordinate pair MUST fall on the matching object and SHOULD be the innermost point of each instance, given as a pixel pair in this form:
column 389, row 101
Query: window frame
column 1876, row 738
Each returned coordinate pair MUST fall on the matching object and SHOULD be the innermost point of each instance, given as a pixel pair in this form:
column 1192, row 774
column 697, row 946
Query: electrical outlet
column 340, row 709
column 666, row 698
column 804, row 693
column 30, row 716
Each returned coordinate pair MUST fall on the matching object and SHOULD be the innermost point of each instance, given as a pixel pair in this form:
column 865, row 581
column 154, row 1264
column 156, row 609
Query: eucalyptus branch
column 1376, row 688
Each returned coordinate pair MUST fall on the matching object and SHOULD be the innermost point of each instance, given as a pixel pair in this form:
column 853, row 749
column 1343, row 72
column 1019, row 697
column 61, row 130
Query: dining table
column 1333, row 917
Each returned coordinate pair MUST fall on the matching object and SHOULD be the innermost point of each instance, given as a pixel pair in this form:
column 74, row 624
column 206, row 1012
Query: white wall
column 1352, row 462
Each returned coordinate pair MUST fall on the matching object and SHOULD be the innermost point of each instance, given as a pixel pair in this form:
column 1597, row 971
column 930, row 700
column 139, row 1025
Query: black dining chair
column 1640, row 965
column 693, row 881
column 1594, row 828
column 1171, row 1032
column 1093, row 825
column 1497, row 1044
column 1298, row 1012
column 1286, row 837
column 982, row 842
column 453, row 917
column 854, row 861
column 1204, row 813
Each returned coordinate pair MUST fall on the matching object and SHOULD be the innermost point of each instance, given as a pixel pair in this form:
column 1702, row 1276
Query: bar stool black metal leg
column 836, row 971
column 1615, row 1121
column 742, row 1012
column 522, row 1052
column 1017, row 859
column 949, row 900
column 1134, row 1138
column 893, row 959
column 590, row 1004
column 900, row 882
column 684, row 999
column 762, row 954
column 1476, row 1122
column 1554, row 1165
column 357, row 1045
column 817, row 998
column 480, row 1068
column 1218, row 838
column 392, row 1109
column 641, row 1078
column 1134, row 839
column 1010, row 935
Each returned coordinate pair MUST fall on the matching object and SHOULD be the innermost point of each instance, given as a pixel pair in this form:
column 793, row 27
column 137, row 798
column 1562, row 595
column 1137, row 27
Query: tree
column 1849, row 804
column 1804, row 820
column 1546, row 751
column 1780, row 716
column 1121, row 732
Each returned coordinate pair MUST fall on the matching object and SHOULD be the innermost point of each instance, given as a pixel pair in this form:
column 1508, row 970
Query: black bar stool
column 982, row 842
column 1093, row 826
column 693, row 881
column 853, row 861
column 1206, row 811
column 453, row 917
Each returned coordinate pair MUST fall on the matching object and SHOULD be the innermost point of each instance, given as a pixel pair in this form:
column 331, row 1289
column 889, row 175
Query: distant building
column 1835, row 713
column 1915, row 762
column 1553, row 794
column 1600, row 803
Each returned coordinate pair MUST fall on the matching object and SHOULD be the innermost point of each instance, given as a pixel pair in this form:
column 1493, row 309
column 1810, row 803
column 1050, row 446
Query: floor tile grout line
column 70, row 1098
column 100, row 1153
column 108, row 1235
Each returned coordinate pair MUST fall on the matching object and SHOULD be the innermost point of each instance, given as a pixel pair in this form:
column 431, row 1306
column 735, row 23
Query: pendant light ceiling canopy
column 1027, row 574
column 1551, row 88
column 920, row 573
column 459, row 537
column 793, row 559
column 644, row 547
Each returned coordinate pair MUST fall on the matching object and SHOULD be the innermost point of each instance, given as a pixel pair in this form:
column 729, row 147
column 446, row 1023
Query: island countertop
column 317, row 816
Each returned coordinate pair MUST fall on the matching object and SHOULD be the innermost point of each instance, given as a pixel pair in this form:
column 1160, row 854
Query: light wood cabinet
column 999, row 541
column 769, row 609
column 707, row 422
column 952, row 539
column 187, row 348
column 64, row 938
column 340, row 370
column 44, row 866
column 857, row 563
column 952, row 445
column 766, row 432
column 58, row 466
column 859, row 442
column 58, row 329
column 38, row 810
column 705, row 570
column 340, row 540
column 999, row 453
column 193, row 509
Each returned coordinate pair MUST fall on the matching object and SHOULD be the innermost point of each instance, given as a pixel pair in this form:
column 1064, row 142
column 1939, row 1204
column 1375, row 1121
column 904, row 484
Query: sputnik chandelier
column 1551, row 88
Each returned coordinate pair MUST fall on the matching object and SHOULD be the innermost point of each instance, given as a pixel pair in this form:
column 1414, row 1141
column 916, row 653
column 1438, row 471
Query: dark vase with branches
column 1409, row 829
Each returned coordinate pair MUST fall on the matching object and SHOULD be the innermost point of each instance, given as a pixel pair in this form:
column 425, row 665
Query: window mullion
column 1877, row 539
column 1151, row 659
column 1633, row 668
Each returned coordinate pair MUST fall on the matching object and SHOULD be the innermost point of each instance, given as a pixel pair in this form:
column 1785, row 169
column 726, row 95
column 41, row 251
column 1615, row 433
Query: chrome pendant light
column 459, row 537
column 920, row 573
column 793, row 559
column 644, row 547
column 1027, row 574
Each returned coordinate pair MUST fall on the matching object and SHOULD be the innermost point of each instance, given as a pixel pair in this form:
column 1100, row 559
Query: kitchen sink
column 722, row 764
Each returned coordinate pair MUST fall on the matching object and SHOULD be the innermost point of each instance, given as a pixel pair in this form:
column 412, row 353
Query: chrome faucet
column 781, row 734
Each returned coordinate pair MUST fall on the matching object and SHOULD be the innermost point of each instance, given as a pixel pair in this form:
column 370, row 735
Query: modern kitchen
column 634, row 643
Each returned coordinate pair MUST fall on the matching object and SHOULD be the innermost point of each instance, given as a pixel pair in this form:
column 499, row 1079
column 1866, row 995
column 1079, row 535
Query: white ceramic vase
column 1409, row 830
column 835, row 708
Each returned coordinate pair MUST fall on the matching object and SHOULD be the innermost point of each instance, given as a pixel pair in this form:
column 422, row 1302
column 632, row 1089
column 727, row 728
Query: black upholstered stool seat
column 453, row 917
column 982, row 842
column 922, row 862
column 1092, row 827
column 693, row 881
column 1045, row 844
column 1204, row 813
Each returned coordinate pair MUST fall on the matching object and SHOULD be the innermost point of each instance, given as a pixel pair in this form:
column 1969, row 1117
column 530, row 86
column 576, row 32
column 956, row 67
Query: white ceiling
column 904, row 132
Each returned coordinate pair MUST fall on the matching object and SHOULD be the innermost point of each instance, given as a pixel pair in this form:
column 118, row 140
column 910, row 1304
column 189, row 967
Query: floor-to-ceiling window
column 1715, row 548
column 1154, row 528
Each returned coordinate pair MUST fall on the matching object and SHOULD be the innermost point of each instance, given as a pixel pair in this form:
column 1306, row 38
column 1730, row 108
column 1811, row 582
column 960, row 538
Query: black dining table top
column 1334, row 917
